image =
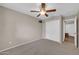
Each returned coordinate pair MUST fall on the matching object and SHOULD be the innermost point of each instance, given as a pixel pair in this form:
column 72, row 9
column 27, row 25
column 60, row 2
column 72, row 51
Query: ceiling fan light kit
column 42, row 12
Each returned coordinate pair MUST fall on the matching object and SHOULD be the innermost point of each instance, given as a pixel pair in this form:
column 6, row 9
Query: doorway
column 70, row 31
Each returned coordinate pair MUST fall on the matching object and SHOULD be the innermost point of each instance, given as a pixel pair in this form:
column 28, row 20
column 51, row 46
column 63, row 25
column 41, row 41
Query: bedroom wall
column 17, row 28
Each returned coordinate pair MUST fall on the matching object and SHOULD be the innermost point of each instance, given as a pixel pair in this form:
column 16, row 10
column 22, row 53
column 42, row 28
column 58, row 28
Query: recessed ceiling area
column 64, row 9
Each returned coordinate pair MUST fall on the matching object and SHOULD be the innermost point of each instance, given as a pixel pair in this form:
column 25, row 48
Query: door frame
column 76, row 31
column 76, row 34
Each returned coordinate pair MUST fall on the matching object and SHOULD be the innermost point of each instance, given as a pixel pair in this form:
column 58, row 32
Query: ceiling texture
column 62, row 9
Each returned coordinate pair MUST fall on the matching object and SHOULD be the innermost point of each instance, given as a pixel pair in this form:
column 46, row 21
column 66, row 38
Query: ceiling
column 64, row 9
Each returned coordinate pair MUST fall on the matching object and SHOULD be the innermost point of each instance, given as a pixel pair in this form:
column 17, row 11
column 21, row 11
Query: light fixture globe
column 42, row 12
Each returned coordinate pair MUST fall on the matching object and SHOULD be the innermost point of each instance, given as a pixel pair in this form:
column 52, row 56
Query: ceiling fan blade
column 46, row 15
column 51, row 10
column 38, row 15
column 34, row 11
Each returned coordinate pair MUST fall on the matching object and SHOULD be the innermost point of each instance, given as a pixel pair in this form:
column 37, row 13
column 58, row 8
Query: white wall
column 17, row 28
column 70, row 28
column 52, row 29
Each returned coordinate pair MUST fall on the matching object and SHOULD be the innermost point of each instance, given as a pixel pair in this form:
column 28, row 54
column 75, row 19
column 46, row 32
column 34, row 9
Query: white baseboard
column 18, row 45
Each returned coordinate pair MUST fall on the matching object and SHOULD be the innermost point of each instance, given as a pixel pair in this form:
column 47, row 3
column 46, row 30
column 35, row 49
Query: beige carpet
column 43, row 47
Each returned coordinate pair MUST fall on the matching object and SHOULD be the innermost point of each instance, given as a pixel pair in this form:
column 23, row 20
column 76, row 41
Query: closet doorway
column 70, row 31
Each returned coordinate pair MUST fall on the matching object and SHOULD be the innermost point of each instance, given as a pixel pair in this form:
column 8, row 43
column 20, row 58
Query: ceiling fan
column 43, row 10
